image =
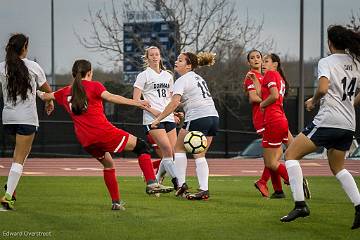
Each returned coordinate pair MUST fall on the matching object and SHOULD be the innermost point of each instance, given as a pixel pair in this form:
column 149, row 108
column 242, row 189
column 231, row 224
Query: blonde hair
column 146, row 58
column 200, row 59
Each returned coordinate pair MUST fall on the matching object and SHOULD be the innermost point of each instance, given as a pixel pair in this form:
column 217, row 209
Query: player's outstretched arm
column 117, row 99
column 170, row 108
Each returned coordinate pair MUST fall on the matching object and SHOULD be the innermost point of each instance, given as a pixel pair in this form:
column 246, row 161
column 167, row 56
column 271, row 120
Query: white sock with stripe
column 202, row 172
column 349, row 185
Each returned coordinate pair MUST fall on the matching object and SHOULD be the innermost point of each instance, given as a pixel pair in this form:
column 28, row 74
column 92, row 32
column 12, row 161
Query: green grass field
column 79, row 208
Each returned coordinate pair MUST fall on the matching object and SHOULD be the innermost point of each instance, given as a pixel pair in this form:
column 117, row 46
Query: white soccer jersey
column 336, row 107
column 195, row 96
column 24, row 112
column 156, row 88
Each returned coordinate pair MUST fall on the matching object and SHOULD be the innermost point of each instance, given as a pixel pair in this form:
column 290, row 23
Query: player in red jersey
column 83, row 101
column 254, row 58
column 272, row 90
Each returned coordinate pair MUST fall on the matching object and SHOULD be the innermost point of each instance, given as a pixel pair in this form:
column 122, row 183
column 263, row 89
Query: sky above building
column 281, row 23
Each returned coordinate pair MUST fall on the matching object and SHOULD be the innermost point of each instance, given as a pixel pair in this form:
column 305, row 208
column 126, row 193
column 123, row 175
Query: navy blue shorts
column 21, row 129
column 207, row 125
column 337, row 138
column 168, row 126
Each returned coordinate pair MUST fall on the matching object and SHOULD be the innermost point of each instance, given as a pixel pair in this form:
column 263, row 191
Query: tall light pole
column 322, row 29
column 52, row 45
column 301, row 71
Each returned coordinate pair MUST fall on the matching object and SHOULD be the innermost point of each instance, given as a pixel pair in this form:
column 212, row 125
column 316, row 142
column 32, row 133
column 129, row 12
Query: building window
column 128, row 28
column 146, row 40
column 164, row 27
column 128, row 48
column 128, row 40
column 128, row 67
column 164, row 39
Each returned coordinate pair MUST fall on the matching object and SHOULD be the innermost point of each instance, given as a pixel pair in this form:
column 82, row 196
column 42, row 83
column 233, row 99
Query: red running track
column 130, row 167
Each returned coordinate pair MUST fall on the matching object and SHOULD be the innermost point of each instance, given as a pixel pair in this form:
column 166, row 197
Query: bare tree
column 203, row 25
column 354, row 22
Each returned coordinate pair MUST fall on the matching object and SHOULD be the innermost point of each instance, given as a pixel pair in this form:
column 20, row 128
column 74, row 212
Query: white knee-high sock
column 161, row 172
column 14, row 177
column 180, row 165
column 169, row 166
column 349, row 185
column 202, row 172
column 296, row 179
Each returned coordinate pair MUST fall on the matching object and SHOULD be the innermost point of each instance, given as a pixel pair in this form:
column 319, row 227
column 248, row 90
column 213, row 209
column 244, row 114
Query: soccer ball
column 195, row 142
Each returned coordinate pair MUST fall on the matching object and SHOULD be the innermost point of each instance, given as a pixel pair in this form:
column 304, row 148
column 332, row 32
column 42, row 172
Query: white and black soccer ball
column 195, row 142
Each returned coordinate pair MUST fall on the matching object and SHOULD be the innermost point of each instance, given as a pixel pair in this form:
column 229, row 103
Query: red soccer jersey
column 257, row 114
column 91, row 126
column 273, row 112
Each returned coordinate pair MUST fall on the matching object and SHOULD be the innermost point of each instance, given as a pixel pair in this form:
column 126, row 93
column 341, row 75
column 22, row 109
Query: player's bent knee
column 141, row 147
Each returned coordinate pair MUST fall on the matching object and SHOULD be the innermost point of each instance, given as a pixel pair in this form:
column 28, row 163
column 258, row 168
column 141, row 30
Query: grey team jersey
column 195, row 96
column 24, row 112
column 336, row 107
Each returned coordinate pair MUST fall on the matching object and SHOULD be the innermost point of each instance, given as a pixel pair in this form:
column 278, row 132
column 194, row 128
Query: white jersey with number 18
column 195, row 96
column 336, row 107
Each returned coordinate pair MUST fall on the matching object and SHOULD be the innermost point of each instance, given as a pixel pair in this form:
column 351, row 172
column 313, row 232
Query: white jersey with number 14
column 337, row 106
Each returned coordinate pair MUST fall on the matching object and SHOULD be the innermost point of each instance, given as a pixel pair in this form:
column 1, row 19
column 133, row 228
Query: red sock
column 283, row 172
column 156, row 164
column 265, row 175
column 146, row 167
column 111, row 183
column 276, row 181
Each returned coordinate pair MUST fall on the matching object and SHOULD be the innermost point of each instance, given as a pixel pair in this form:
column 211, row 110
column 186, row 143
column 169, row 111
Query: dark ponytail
column 17, row 74
column 79, row 99
column 345, row 39
column 276, row 58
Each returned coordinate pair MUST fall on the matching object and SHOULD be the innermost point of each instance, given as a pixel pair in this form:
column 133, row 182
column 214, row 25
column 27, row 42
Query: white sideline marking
column 82, row 169
column 219, row 175
column 249, row 171
column 1, row 166
column 311, row 164
column 33, row 173
column 352, row 171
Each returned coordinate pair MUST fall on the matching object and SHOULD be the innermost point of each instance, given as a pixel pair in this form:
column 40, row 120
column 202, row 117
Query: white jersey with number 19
column 195, row 96
column 336, row 107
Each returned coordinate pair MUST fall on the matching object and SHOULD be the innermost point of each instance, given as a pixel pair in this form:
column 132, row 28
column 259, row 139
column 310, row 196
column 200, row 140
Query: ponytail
column 17, row 74
column 78, row 101
column 200, row 59
column 345, row 39
column 276, row 58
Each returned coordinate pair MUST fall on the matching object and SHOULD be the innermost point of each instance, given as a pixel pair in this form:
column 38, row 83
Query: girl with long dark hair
column 19, row 79
column 334, row 125
column 83, row 101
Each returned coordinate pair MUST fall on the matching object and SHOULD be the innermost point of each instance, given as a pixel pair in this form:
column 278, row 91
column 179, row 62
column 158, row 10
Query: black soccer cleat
column 175, row 182
column 356, row 223
column 180, row 191
column 277, row 195
column 201, row 195
column 300, row 210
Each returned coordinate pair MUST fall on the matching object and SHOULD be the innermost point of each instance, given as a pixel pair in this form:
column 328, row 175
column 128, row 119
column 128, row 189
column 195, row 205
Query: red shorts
column 113, row 142
column 275, row 134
